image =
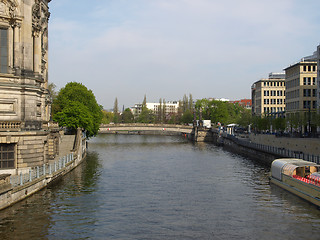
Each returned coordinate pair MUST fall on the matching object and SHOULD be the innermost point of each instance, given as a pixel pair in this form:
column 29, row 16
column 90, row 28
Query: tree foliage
column 187, row 117
column 76, row 106
column 127, row 116
column 219, row 111
column 107, row 117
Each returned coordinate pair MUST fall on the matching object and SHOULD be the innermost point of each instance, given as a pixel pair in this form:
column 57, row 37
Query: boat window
column 289, row 170
column 300, row 171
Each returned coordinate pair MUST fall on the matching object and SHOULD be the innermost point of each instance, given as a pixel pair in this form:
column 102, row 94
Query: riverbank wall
column 14, row 188
column 266, row 148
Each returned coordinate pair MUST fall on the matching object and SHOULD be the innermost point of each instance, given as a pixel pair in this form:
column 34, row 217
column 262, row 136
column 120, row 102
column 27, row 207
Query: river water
column 156, row 187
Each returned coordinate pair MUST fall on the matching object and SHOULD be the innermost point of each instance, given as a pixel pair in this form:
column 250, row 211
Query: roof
column 287, row 166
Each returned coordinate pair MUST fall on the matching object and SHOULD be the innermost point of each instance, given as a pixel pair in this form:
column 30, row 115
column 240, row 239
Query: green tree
column 144, row 103
column 76, row 106
column 115, row 111
column 127, row 116
column 160, row 117
column 146, row 116
column 190, row 104
column 279, row 124
column 52, row 90
column 107, row 117
column 164, row 111
column 187, row 117
column 245, row 118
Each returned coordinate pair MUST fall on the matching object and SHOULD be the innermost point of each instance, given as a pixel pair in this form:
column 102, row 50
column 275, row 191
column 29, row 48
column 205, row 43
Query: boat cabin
column 295, row 168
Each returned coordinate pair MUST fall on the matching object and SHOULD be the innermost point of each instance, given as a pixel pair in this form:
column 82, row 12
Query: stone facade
column 301, row 86
column 268, row 95
column 24, row 96
column 26, row 140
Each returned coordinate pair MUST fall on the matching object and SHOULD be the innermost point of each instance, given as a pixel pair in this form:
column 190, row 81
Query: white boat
column 297, row 176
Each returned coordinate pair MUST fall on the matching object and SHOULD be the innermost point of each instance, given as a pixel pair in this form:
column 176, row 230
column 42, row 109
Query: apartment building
column 170, row 108
column 268, row 95
column 318, row 77
column 301, row 86
column 245, row 103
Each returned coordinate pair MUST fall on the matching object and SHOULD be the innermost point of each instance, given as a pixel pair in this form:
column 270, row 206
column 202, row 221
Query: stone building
column 268, row 95
column 301, row 90
column 25, row 103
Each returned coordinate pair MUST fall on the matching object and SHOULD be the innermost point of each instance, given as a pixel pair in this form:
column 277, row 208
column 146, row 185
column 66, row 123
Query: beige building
column 268, row 95
column 301, row 87
column 25, row 102
column 318, row 77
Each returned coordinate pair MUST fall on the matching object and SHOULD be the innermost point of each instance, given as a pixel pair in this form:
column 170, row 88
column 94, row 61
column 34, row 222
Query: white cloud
column 166, row 48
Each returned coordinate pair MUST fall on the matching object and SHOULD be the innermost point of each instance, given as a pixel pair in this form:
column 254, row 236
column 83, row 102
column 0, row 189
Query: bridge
column 142, row 128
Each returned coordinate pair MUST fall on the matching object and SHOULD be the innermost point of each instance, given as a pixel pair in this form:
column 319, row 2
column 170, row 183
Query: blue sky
column 168, row 48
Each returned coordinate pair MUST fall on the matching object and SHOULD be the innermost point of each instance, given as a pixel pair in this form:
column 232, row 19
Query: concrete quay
column 262, row 147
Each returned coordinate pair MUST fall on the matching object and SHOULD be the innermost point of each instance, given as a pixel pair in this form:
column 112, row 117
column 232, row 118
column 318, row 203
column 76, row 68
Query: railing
column 280, row 151
column 40, row 171
column 144, row 125
column 10, row 125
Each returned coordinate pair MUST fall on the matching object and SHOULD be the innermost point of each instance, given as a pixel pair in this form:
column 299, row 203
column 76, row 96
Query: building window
column 306, row 104
column 6, row 155
column 304, row 68
column 3, row 50
column 307, row 92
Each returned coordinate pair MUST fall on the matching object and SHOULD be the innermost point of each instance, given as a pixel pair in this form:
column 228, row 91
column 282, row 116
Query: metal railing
column 40, row 171
column 280, row 151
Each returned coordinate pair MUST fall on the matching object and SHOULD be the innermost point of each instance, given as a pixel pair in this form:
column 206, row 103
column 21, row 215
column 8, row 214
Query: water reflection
column 149, row 187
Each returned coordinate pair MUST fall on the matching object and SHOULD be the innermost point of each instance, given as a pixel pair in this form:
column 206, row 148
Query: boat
column 297, row 176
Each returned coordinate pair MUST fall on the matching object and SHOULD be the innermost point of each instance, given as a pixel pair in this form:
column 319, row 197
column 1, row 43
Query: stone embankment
column 15, row 188
column 265, row 148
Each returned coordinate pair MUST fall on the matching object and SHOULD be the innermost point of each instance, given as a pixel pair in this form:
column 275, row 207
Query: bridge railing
column 144, row 125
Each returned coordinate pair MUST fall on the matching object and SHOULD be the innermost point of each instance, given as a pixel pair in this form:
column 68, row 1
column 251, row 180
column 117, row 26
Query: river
column 156, row 187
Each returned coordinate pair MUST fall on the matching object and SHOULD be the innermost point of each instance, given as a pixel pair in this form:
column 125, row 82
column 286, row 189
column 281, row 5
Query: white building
column 170, row 108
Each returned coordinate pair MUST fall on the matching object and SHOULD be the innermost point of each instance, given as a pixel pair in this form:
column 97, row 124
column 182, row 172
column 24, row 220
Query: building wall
column 25, row 102
column 318, row 77
column 301, row 87
column 24, row 70
column 268, row 96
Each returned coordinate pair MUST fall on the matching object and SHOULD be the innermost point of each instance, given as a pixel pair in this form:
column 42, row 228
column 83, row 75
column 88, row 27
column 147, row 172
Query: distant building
column 246, row 103
column 301, row 86
column 170, row 108
column 268, row 95
column 222, row 99
column 318, row 77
